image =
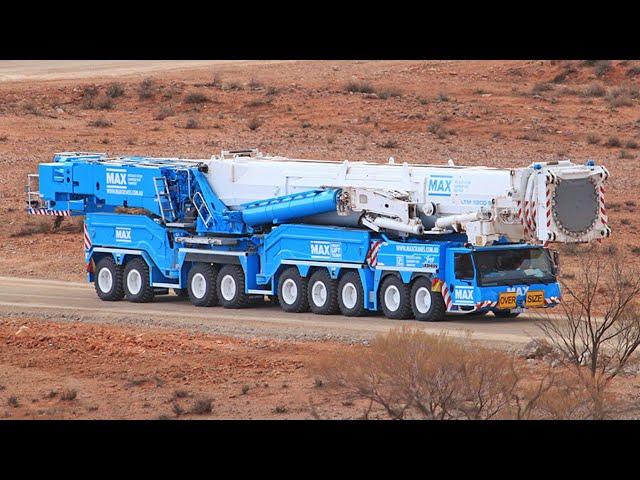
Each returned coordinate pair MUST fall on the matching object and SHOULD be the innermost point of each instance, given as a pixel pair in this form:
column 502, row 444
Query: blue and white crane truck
column 413, row 241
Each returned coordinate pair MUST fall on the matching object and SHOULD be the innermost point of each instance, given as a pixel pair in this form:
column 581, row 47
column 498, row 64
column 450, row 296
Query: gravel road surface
column 52, row 300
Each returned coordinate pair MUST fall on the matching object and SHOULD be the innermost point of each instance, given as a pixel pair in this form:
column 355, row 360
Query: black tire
column 435, row 308
column 330, row 289
column 399, row 292
column 202, row 285
column 351, row 280
column 299, row 302
column 136, row 281
column 505, row 314
column 239, row 299
column 112, row 272
column 181, row 292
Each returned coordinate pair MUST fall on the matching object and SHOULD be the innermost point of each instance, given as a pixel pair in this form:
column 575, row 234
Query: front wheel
column 427, row 305
column 394, row 298
column 137, row 282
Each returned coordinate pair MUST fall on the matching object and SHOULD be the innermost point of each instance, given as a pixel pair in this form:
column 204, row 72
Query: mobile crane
column 413, row 241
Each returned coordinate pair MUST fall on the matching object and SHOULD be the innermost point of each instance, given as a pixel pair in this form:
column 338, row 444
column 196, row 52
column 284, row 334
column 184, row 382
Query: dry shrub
column 146, row 89
column 358, row 87
column 439, row 130
column 254, row 123
column 40, row 225
column 408, row 374
column 164, row 112
column 103, row 102
column 115, row 89
column 196, row 97
column 411, row 374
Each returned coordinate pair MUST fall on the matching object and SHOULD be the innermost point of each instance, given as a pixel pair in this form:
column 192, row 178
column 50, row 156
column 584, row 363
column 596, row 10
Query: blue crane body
column 157, row 224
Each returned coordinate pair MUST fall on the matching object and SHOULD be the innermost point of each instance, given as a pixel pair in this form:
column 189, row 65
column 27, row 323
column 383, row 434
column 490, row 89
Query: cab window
column 463, row 266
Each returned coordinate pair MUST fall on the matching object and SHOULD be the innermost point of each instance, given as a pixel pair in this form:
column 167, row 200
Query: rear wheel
column 395, row 298
column 426, row 305
column 137, row 282
column 201, row 285
column 231, row 286
column 323, row 293
column 505, row 314
column 108, row 280
column 292, row 291
column 351, row 295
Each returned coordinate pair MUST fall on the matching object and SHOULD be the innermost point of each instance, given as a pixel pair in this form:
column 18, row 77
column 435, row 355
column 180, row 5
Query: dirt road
column 38, row 70
column 78, row 301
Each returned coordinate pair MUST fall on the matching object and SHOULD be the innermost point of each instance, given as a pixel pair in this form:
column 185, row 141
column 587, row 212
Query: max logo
column 326, row 249
column 521, row 291
column 116, row 178
column 440, row 185
column 463, row 294
column 123, row 234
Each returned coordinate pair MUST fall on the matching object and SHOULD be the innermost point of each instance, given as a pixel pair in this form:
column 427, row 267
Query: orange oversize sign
column 535, row 299
column 507, row 300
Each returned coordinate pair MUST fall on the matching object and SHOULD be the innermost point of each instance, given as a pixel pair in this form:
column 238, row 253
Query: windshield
column 511, row 267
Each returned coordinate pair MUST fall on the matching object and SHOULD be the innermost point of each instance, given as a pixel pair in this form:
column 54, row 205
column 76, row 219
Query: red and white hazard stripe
column 87, row 240
column 47, row 212
column 548, row 203
column 437, row 284
column 603, row 212
column 552, row 300
column 486, row 304
column 372, row 256
column 521, row 217
column 446, row 296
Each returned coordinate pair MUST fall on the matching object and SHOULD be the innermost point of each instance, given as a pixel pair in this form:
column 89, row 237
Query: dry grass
column 164, row 112
column 593, row 139
column 388, row 92
column 595, row 90
column 115, row 89
column 254, row 123
column 440, row 130
column 146, row 89
column 541, row 87
column 408, row 373
column 613, row 142
column 68, row 394
column 103, row 102
column 100, row 123
column 195, row 98
column 359, row 87
column 202, row 406
column 41, row 225
column 192, row 123
column 390, row 143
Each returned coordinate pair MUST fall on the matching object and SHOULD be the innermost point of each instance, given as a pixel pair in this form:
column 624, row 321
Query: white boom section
column 545, row 202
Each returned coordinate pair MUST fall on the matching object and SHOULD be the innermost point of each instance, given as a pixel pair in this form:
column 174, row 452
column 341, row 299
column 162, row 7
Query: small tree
column 601, row 331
